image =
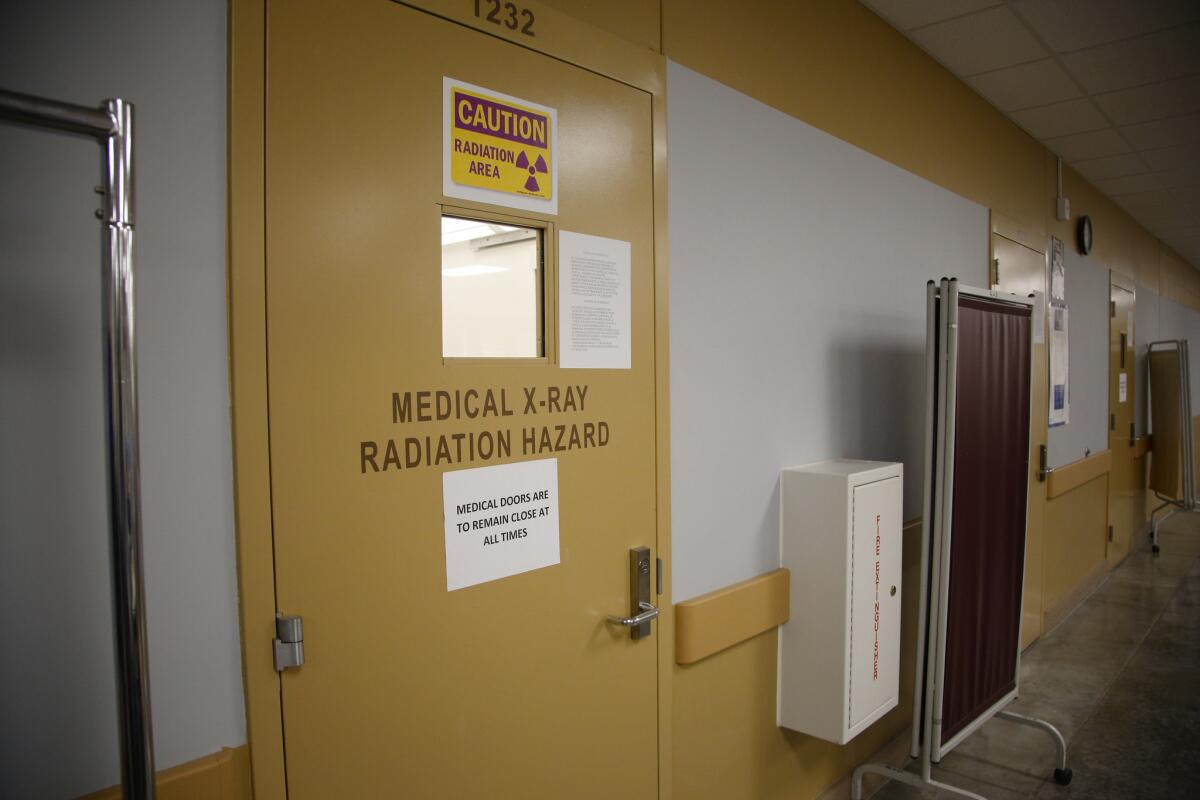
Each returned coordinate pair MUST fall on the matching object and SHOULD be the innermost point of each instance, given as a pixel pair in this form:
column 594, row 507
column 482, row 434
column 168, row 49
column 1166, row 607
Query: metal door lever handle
column 649, row 612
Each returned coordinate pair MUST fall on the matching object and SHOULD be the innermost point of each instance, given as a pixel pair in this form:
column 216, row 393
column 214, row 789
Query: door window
column 491, row 290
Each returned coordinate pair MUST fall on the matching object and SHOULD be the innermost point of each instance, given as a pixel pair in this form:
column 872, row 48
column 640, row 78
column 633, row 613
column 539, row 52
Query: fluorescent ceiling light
column 472, row 269
column 456, row 230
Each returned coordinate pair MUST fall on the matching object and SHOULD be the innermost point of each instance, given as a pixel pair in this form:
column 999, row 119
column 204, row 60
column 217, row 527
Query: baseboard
column 1070, row 601
column 894, row 753
column 220, row 776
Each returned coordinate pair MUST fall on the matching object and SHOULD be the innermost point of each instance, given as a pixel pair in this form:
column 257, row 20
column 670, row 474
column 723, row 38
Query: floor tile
column 1120, row 678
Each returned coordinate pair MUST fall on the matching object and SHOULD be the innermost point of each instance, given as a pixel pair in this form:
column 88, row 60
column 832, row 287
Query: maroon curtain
column 991, row 473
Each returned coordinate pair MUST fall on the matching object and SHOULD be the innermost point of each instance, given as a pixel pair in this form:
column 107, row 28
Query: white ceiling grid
column 1112, row 86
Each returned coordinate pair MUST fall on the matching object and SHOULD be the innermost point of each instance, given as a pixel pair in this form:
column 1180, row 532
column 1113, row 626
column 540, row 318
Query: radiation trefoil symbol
column 538, row 166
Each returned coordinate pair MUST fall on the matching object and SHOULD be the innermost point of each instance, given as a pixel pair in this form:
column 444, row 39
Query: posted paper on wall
column 1060, row 392
column 500, row 521
column 1058, row 272
column 594, row 308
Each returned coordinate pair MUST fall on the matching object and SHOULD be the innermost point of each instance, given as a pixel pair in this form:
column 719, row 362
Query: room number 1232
column 509, row 15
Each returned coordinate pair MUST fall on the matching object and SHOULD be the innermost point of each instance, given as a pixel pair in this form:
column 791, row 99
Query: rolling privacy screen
column 978, row 357
column 1173, row 468
column 973, row 542
column 991, row 470
column 1170, row 409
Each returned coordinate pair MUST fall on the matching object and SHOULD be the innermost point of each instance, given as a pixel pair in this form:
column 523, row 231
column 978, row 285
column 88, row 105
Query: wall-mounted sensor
column 1064, row 209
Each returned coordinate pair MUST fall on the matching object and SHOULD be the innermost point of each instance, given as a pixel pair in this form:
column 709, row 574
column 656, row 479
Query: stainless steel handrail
column 111, row 125
column 42, row 113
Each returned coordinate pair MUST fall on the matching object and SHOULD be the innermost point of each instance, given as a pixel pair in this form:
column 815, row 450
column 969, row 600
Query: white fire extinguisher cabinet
column 839, row 652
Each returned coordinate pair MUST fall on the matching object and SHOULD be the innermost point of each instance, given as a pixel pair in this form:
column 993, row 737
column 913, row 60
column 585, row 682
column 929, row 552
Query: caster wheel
column 1154, row 549
column 1062, row 776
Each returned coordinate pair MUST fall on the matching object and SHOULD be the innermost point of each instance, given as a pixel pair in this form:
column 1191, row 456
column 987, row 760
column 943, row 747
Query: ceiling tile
column 1093, row 144
column 1170, row 218
column 1185, row 156
column 1146, row 59
column 1110, row 167
column 1129, row 106
column 1189, row 249
column 1167, row 218
column 1131, row 184
column 1036, row 84
column 1187, row 194
column 1068, row 25
column 1060, row 119
column 909, row 14
column 1186, row 239
column 1147, row 201
column 980, row 42
column 1164, row 132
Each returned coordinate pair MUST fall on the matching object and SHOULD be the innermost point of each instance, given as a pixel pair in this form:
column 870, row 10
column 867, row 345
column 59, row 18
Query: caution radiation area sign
column 498, row 149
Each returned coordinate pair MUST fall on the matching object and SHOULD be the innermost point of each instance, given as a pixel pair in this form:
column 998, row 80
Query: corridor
column 1120, row 677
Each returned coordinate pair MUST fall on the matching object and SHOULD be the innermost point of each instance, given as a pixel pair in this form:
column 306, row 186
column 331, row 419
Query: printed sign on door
column 500, row 521
column 498, row 149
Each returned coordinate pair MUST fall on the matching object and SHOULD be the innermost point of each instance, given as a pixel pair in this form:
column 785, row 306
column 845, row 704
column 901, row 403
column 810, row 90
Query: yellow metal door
column 1123, row 482
column 513, row 688
column 1020, row 269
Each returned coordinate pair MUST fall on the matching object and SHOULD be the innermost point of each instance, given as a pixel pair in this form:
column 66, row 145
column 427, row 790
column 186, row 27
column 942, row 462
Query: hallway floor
column 1120, row 677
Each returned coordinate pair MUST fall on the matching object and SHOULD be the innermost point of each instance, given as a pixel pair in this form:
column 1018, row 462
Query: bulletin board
column 1087, row 303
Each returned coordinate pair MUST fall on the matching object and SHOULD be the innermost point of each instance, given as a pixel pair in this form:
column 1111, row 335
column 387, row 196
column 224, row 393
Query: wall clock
column 1084, row 234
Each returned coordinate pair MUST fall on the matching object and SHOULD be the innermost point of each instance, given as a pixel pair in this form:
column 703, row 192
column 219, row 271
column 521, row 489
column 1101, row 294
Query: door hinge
column 1110, row 533
column 1132, row 435
column 1112, row 309
column 996, row 273
column 1112, row 422
column 289, row 642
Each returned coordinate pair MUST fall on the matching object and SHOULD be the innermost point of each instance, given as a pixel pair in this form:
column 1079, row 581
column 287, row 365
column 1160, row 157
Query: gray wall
column 57, row 706
column 797, row 284
column 1087, row 299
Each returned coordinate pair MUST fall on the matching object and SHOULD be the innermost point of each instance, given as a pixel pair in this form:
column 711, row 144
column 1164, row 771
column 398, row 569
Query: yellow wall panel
column 837, row 66
column 1076, row 531
column 220, row 776
column 635, row 20
column 726, row 744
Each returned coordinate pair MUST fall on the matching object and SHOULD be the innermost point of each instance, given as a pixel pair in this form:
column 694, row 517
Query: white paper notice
column 500, row 521
column 594, row 302
column 1060, row 396
column 1123, row 389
